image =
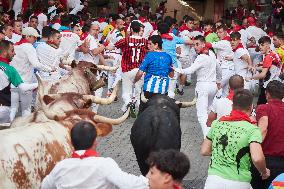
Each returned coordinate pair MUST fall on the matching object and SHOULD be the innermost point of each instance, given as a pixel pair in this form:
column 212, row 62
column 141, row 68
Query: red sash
column 227, row 38
column 237, row 115
column 88, row 153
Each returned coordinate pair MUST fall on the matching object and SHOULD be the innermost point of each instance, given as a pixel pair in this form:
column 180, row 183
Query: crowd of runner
column 232, row 59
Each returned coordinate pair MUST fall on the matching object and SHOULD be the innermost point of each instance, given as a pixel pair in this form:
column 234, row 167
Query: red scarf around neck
column 240, row 46
column 230, row 95
column 167, row 36
column 5, row 60
column 177, row 186
column 22, row 41
column 237, row 115
column 207, row 33
column 227, row 38
column 88, row 153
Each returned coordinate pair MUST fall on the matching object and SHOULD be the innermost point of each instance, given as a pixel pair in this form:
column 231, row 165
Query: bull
column 156, row 127
column 30, row 152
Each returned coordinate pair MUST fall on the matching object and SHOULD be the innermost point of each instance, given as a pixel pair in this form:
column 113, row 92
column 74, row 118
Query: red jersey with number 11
column 133, row 51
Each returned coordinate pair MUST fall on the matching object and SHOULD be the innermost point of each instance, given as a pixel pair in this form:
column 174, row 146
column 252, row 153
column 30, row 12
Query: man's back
column 230, row 149
column 90, row 173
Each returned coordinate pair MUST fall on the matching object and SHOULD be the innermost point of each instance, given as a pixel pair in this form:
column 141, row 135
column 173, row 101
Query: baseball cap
column 29, row 31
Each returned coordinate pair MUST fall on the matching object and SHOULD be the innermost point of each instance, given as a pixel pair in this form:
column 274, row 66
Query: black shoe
column 180, row 92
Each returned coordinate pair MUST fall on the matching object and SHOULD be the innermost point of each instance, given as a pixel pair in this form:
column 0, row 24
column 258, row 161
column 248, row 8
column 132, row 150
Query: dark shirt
column 273, row 144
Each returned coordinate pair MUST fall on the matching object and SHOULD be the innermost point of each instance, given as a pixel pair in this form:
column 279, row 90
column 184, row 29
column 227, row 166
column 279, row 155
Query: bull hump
column 20, row 177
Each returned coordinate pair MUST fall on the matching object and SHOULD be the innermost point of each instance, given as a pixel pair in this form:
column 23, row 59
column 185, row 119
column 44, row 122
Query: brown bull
column 29, row 153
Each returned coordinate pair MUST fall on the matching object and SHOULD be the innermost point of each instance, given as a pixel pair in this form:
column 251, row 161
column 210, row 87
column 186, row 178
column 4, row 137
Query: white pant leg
column 97, row 93
column 4, row 114
column 117, row 77
column 26, row 99
column 15, row 103
column 216, row 182
column 127, row 88
column 110, row 80
column 205, row 95
column 226, row 74
column 17, row 7
column 172, row 86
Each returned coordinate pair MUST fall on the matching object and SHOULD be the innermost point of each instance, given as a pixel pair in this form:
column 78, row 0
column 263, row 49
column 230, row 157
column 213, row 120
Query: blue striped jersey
column 157, row 66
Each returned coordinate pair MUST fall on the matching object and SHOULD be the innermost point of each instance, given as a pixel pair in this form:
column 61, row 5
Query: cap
column 29, row 31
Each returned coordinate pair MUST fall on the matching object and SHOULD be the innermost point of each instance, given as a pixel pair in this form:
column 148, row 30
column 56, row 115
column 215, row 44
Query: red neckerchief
column 237, row 28
column 5, row 60
column 88, row 153
column 230, row 95
column 84, row 36
column 113, row 24
column 50, row 43
column 22, row 41
column 36, row 13
column 237, row 115
column 227, row 38
column 167, row 36
column 207, row 33
column 66, row 31
column 183, row 28
column 17, row 33
column 177, row 186
column 240, row 46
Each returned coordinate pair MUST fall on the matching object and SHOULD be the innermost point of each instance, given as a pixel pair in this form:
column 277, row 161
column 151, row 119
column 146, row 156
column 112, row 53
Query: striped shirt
column 133, row 51
column 157, row 66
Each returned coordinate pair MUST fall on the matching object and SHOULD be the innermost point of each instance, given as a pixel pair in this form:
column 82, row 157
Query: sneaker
column 180, row 92
column 133, row 111
column 188, row 83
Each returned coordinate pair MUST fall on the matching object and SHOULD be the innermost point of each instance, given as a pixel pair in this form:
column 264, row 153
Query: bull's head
column 55, row 106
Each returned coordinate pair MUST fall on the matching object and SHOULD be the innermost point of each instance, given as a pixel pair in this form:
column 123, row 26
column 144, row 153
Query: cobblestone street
column 117, row 145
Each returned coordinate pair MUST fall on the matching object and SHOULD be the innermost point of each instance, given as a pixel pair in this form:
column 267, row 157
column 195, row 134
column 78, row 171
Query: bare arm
column 206, row 147
column 211, row 117
column 98, row 50
column 263, row 124
column 258, row 159
column 260, row 75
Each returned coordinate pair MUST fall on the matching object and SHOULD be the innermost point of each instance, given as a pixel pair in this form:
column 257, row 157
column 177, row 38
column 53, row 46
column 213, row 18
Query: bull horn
column 107, row 68
column 104, row 101
column 111, row 121
column 143, row 98
column 187, row 104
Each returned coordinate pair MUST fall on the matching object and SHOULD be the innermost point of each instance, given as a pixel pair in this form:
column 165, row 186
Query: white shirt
column 205, row 67
column 245, row 36
column 148, row 28
column 69, row 43
column 91, row 173
column 221, row 107
column 73, row 3
column 113, row 37
column 51, row 11
column 240, row 65
column 16, row 38
column 89, row 57
column 256, row 32
column 223, row 48
column 49, row 56
column 26, row 60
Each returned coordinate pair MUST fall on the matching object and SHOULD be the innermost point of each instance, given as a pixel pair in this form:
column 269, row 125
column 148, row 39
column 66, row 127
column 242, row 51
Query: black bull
column 156, row 127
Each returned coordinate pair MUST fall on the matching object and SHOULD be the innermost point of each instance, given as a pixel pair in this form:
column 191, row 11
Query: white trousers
column 216, row 182
column 172, row 85
column 17, row 7
column 114, row 77
column 226, row 74
column 19, row 97
column 130, row 91
column 97, row 93
column 4, row 114
column 205, row 92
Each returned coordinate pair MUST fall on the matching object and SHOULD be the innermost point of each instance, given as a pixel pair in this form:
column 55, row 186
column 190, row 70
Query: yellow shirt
column 280, row 52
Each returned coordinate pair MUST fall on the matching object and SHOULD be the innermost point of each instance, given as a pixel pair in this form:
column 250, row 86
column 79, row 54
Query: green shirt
column 230, row 157
column 11, row 73
column 212, row 37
